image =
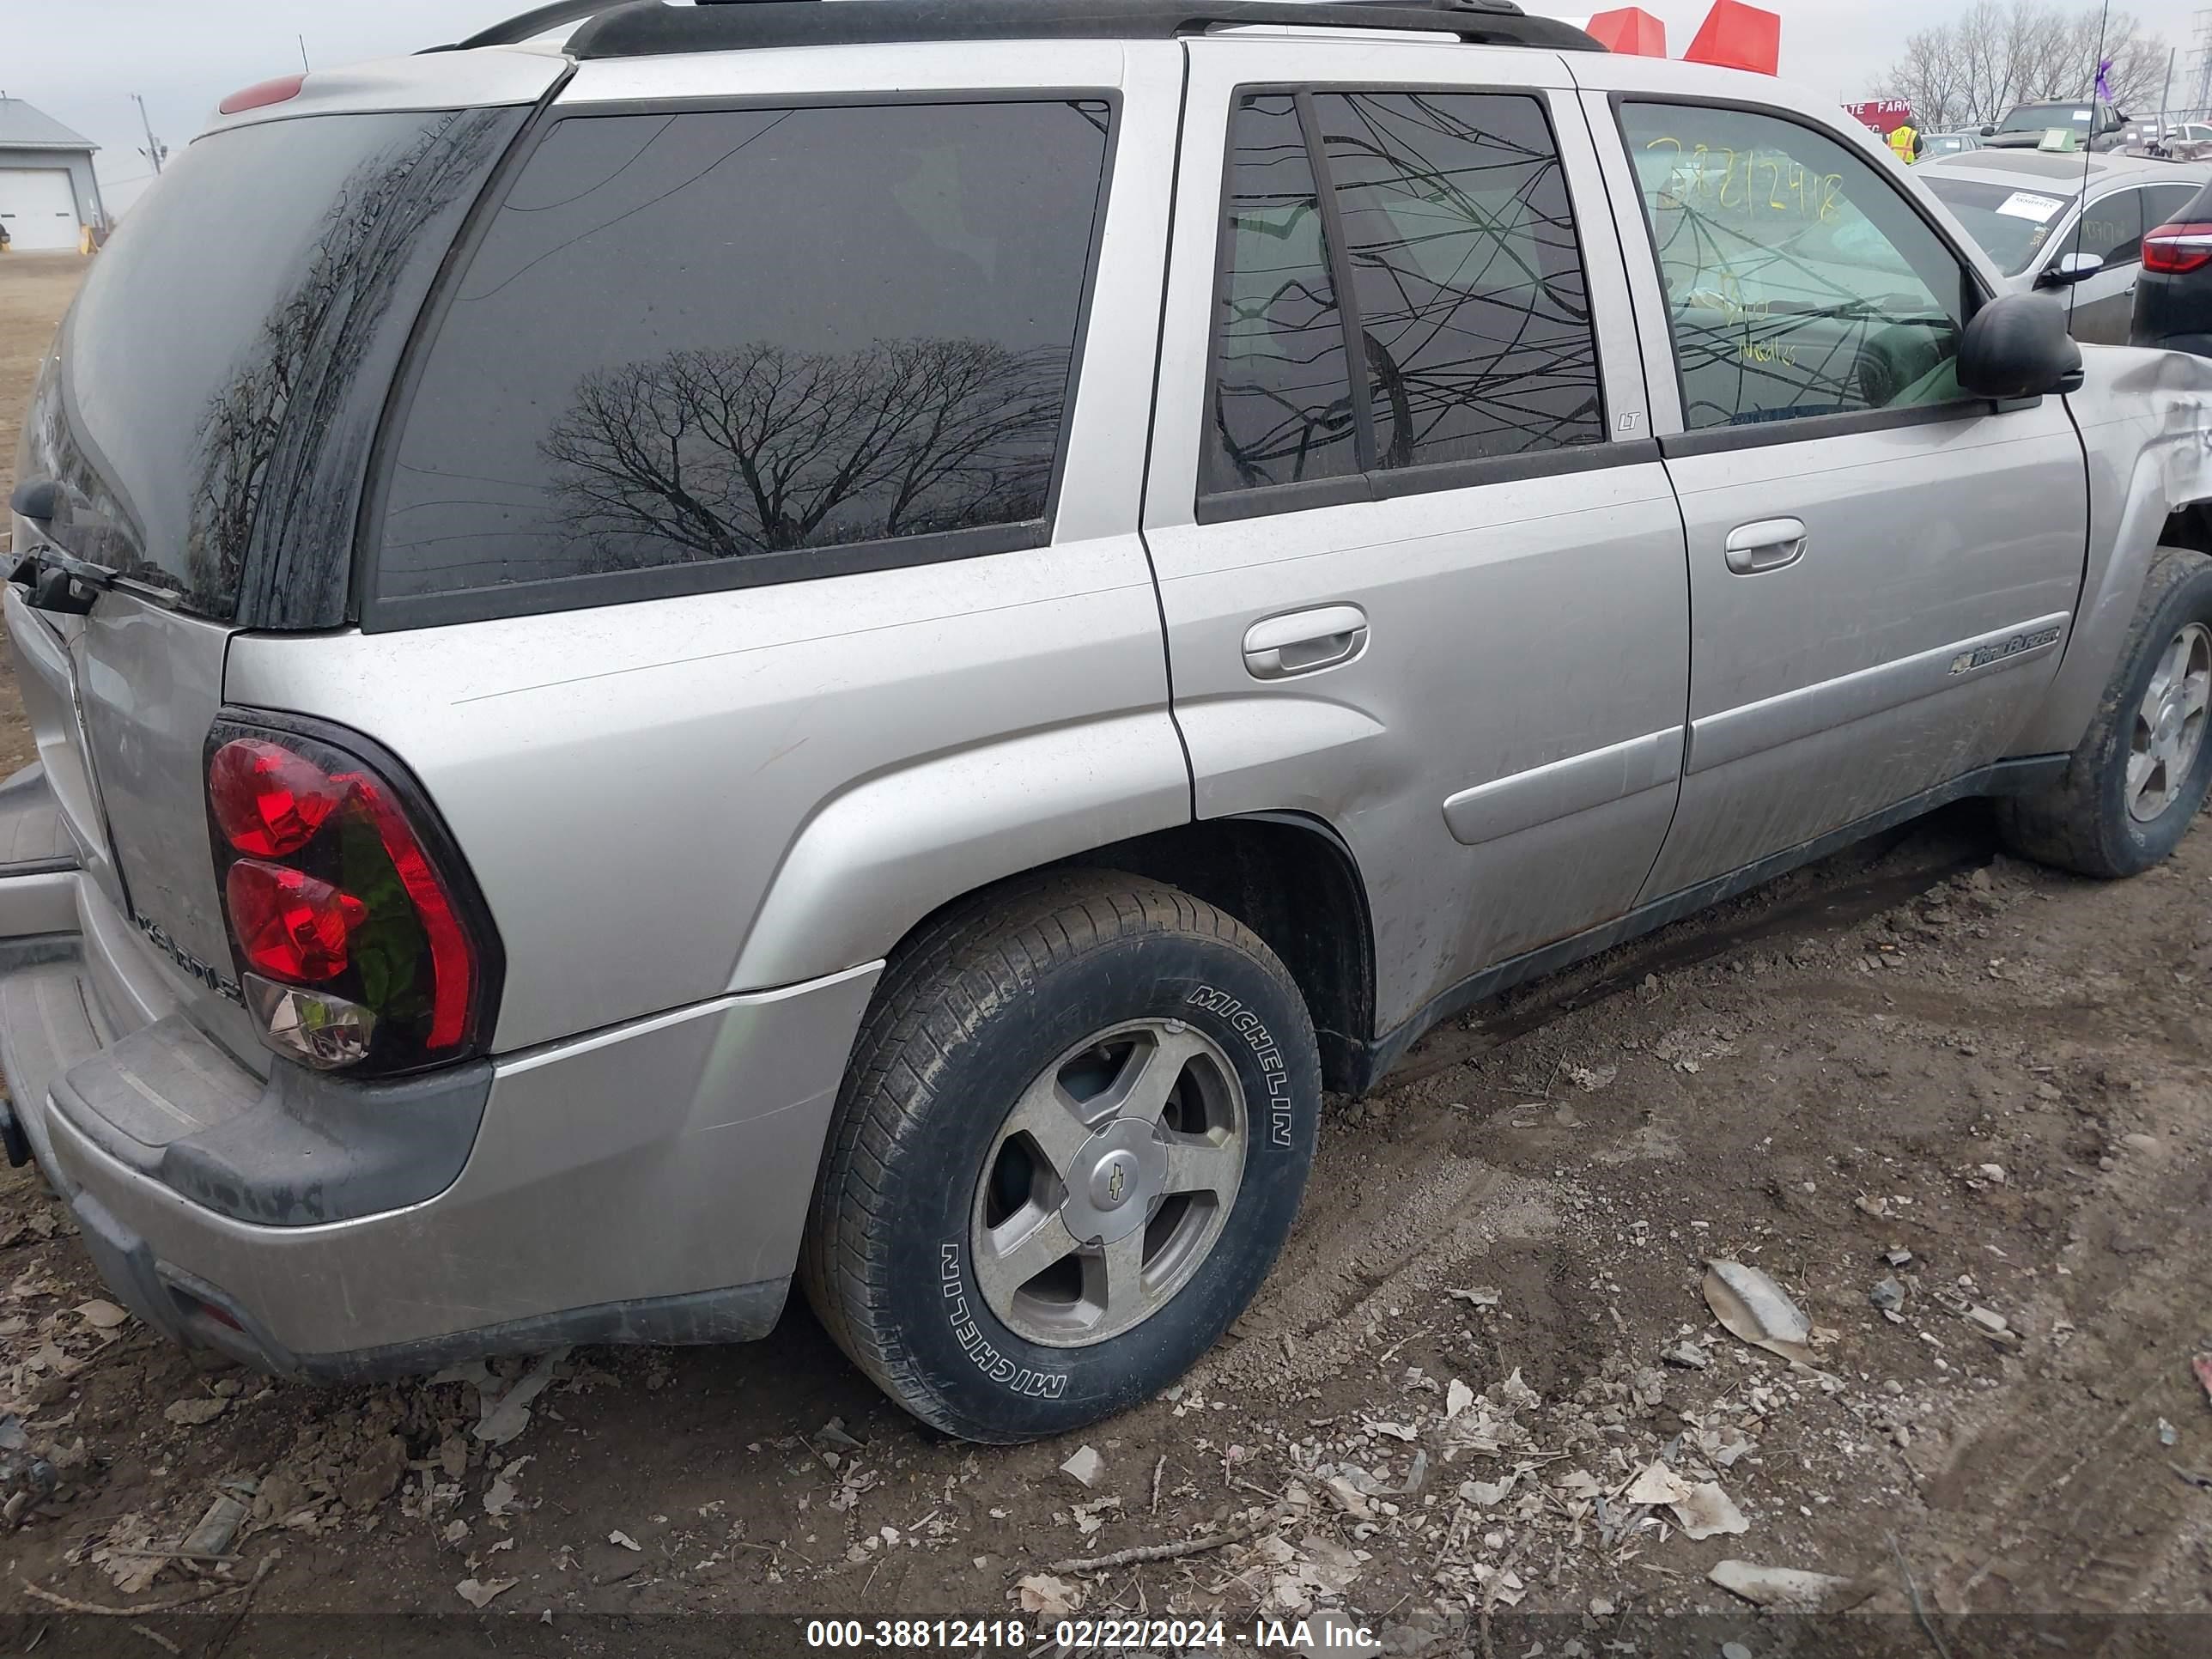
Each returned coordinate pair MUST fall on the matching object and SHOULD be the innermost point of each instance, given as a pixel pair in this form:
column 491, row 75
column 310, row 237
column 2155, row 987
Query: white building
column 47, row 191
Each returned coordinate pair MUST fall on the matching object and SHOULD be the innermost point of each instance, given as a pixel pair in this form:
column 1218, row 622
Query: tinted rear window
column 778, row 342
column 221, row 366
column 1445, row 214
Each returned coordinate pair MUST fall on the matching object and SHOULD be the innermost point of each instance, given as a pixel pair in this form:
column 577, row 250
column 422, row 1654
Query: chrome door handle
column 1305, row 642
column 1768, row 544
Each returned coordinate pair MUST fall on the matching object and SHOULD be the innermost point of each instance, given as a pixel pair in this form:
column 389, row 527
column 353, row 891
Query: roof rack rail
column 523, row 25
column 648, row 28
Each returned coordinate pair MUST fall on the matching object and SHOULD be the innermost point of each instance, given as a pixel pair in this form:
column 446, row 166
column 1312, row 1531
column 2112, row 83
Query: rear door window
column 1472, row 300
column 2112, row 228
column 1282, row 398
column 709, row 348
column 2164, row 203
column 1424, row 238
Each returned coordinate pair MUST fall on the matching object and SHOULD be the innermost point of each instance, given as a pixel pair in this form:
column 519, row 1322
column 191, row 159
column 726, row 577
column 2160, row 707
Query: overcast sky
column 80, row 60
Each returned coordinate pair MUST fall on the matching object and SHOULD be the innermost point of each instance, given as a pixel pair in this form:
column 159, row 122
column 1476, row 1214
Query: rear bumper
column 645, row 1183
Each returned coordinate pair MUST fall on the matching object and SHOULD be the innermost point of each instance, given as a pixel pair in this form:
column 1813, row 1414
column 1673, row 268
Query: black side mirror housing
column 37, row 499
column 1989, row 132
column 2017, row 347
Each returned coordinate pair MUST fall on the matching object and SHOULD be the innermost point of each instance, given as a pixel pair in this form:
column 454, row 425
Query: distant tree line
column 1967, row 73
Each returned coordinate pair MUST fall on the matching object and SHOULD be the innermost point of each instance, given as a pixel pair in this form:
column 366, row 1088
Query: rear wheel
column 1073, row 1135
column 2139, row 776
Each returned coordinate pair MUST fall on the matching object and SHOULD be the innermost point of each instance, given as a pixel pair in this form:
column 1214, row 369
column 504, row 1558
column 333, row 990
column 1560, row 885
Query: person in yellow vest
column 1905, row 143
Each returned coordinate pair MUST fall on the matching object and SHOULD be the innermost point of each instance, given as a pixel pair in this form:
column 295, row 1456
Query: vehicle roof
column 648, row 28
column 587, row 29
column 2059, row 172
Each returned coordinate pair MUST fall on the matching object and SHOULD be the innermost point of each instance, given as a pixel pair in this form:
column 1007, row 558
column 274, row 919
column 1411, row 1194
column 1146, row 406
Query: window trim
column 375, row 613
column 1389, row 483
column 1974, row 294
column 1367, row 484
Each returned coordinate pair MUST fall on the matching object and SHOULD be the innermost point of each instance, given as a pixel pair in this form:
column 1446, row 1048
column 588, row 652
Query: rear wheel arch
column 1292, row 880
column 2189, row 525
column 1287, row 876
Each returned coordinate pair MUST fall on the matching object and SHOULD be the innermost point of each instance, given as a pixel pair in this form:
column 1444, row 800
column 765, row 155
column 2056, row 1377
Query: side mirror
column 2017, row 347
column 39, row 499
column 2069, row 269
column 1989, row 132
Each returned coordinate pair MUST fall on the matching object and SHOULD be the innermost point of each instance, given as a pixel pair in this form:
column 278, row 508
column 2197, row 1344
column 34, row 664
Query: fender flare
column 875, row 859
column 2146, row 427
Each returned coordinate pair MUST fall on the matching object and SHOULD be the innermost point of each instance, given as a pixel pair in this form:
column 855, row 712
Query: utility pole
column 2166, row 92
column 2204, row 56
column 154, row 149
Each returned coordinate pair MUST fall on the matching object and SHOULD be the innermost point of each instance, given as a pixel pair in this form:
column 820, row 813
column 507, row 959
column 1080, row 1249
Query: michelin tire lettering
column 1246, row 1024
column 1014, row 1377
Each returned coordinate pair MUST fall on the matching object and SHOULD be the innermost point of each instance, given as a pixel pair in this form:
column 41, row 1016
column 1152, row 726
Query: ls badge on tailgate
column 193, row 966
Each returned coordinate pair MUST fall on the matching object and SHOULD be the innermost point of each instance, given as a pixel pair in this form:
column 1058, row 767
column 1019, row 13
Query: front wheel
column 1073, row 1138
column 2139, row 775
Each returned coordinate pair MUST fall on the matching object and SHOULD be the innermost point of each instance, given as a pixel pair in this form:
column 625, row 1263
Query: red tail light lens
column 338, row 880
column 2176, row 248
column 290, row 925
column 267, row 800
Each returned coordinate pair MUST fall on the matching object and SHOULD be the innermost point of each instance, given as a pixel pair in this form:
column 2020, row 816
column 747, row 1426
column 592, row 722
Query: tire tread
column 939, row 987
column 2065, row 825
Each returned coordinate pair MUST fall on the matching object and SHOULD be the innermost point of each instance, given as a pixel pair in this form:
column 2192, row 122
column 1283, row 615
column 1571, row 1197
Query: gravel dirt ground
column 1921, row 1063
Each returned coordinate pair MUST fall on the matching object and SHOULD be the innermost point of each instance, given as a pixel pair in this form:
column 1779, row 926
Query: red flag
column 1737, row 36
column 1630, row 30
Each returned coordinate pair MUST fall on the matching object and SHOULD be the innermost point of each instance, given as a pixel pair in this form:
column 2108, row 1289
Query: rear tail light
column 360, row 939
column 289, row 924
column 2175, row 248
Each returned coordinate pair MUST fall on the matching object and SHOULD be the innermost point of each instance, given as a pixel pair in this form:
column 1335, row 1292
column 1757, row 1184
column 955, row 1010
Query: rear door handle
column 1769, row 544
column 1305, row 642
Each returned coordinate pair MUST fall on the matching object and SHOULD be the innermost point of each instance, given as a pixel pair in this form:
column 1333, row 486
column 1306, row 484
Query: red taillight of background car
column 360, row 939
column 2176, row 248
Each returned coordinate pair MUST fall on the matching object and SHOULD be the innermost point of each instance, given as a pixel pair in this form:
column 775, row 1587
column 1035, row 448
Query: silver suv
column 867, row 642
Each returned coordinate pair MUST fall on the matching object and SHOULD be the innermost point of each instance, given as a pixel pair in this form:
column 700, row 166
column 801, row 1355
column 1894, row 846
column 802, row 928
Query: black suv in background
column 2173, row 300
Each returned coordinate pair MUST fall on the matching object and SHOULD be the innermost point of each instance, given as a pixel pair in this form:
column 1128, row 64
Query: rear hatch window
column 221, row 372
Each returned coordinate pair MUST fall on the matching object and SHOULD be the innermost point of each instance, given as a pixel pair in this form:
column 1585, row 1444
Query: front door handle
column 1305, row 642
column 1768, row 544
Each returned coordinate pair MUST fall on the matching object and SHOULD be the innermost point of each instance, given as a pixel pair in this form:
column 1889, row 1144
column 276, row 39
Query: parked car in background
column 861, row 645
column 2183, row 141
column 1935, row 145
column 2095, row 125
column 2173, row 301
column 2026, row 208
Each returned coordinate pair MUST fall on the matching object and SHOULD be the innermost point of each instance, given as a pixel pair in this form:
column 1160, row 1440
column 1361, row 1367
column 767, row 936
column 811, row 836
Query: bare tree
column 757, row 448
column 1970, row 71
